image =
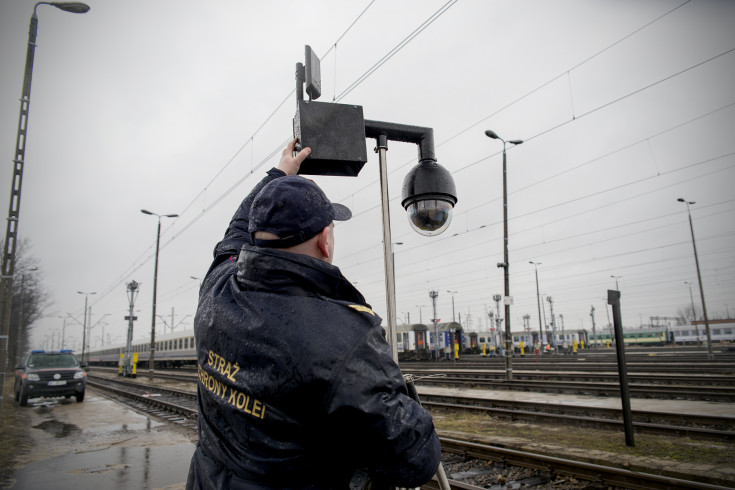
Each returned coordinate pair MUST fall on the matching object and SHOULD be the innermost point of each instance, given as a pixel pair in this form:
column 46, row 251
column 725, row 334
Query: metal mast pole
column 11, row 230
column 153, row 316
column 433, row 295
column 594, row 331
column 128, row 359
column 390, row 291
column 710, row 355
column 538, row 301
column 84, row 329
column 553, row 322
column 506, row 277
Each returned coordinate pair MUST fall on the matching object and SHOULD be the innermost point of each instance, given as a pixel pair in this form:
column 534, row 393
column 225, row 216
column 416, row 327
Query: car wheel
column 80, row 397
column 17, row 393
column 23, row 399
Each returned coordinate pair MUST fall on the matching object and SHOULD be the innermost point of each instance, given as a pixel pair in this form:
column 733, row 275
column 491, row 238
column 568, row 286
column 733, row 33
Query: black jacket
column 297, row 387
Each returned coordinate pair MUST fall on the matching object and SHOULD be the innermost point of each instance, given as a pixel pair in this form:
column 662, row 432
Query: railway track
column 697, row 427
column 701, row 391
column 545, row 471
column 717, row 388
column 468, row 464
column 576, row 375
column 590, row 364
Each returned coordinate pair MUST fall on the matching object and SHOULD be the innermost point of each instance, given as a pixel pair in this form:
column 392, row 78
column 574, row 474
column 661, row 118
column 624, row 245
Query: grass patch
column 646, row 446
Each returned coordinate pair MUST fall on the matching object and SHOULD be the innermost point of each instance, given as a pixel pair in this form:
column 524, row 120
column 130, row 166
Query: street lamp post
column 155, row 286
column 710, row 355
column 63, row 330
column 506, row 264
column 453, row 293
column 538, row 301
column 421, row 317
column 617, row 288
column 694, row 313
column 84, row 324
column 433, row 295
column 11, row 231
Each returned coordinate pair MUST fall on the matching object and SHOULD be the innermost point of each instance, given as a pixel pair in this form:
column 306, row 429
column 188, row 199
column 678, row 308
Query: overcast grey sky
column 180, row 107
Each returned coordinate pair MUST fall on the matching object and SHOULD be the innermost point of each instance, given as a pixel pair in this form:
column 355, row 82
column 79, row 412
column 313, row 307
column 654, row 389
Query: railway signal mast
column 127, row 370
column 553, row 322
column 594, row 332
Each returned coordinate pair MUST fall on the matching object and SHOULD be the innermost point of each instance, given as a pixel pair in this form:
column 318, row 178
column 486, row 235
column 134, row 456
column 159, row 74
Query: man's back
column 296, row 380
column 297, row 387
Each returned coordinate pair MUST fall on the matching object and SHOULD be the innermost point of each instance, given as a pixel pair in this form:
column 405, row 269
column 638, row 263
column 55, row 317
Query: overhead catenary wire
column 181, row 230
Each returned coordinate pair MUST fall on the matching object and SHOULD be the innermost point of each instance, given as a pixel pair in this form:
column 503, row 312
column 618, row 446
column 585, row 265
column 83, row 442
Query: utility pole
column 498, row 320
column 128, row 359
column 553, row 322
column 710, row 354
column 594, row 332
column 433, row 295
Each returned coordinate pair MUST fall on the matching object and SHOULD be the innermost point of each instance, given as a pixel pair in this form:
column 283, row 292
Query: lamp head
column 429, row 196
column 73, row 7
column 492, row 134
column 145, row 211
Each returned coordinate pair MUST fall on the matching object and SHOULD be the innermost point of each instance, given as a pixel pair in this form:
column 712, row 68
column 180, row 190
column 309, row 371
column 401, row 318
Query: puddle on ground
column 58, row 429
column 121, row 468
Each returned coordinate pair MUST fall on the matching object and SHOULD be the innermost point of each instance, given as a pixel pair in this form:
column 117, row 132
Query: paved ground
column 96, row 444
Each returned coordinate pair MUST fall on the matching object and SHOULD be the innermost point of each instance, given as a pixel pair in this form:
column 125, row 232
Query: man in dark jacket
column 297, row 387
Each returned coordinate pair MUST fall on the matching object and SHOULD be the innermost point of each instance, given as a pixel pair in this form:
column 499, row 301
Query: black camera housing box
column 336, row 135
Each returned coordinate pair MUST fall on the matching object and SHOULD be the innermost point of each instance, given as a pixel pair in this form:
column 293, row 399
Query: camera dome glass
column 430, row 217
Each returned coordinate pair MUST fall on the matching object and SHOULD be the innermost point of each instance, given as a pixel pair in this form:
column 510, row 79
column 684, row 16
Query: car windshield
column 52, row 361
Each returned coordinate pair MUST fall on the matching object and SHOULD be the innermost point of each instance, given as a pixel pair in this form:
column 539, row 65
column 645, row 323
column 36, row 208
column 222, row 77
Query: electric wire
column 392, row 53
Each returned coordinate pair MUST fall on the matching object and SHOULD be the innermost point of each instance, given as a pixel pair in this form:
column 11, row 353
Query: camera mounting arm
column 423, row 137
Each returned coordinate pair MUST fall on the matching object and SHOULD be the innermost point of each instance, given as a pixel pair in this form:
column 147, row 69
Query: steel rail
column 604, row 475
column 593, row 472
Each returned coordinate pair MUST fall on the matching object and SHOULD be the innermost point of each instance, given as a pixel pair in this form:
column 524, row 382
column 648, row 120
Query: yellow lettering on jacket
column 210, row 380
column 221, row 365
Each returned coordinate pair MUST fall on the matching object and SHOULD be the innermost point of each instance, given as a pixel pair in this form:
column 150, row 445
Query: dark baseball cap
column 295, row 209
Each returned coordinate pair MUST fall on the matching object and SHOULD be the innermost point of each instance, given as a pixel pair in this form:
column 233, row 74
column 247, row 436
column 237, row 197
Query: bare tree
column 686, row 314
column 29, row 298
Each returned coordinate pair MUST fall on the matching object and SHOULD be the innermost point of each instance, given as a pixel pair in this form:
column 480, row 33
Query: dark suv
column 52, row 373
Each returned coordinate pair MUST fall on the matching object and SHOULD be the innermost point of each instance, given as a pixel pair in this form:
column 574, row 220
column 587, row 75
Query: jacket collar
column 291, row 273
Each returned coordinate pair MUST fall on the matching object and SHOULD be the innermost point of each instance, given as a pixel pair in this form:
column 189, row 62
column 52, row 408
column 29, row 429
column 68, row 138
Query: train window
column 717, row 331
column 728, row 331
column 181, row 344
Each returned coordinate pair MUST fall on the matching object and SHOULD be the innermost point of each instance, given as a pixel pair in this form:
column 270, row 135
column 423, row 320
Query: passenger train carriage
column 175, row 349
column 418, row 341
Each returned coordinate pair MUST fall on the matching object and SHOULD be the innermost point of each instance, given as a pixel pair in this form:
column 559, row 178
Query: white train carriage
column 722, row 331
column 173, row 349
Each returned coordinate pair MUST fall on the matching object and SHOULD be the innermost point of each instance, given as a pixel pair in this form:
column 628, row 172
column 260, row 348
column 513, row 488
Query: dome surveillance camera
column 430, row 216
column 429, row 197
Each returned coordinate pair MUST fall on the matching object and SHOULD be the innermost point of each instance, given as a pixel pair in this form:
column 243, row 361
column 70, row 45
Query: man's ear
column 323, row 242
